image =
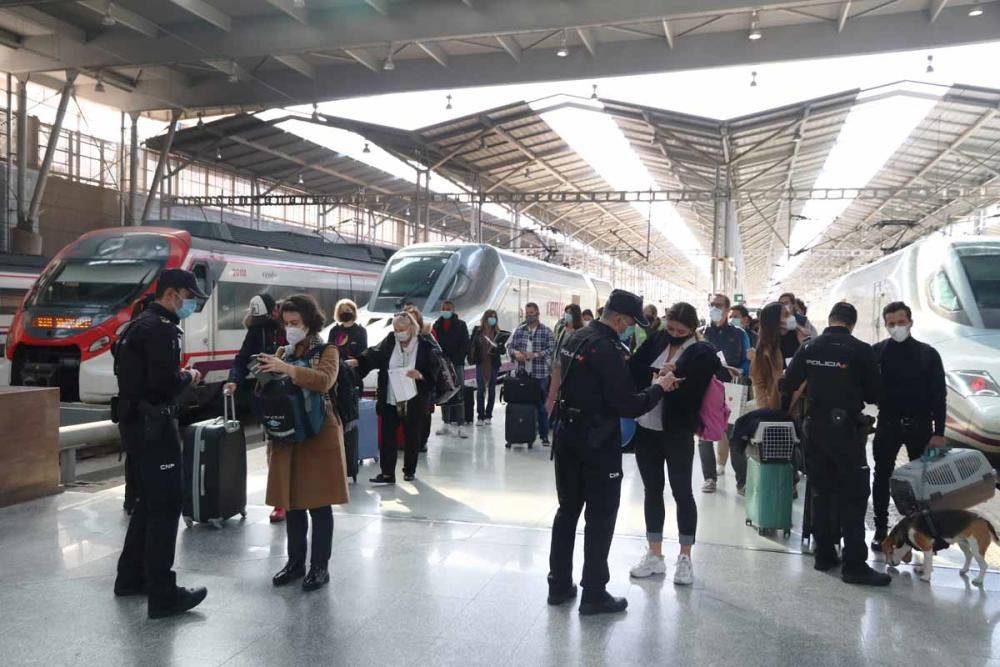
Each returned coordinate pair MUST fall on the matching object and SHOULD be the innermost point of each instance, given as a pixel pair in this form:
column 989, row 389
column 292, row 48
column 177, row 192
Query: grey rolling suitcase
column 215, row 469
column 521, row 425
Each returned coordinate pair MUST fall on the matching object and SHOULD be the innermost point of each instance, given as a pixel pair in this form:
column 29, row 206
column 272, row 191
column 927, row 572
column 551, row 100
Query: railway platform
column 450, row 570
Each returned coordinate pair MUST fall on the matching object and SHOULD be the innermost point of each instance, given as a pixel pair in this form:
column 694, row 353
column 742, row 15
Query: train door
column 200, row 328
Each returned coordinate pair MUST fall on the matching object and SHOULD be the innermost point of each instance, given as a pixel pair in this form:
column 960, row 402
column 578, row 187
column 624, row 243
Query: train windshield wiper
column 401, row 301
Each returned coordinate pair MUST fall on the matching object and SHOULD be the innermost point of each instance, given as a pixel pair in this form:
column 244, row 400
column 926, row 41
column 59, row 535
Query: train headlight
column 973, row 383
column 100, row 344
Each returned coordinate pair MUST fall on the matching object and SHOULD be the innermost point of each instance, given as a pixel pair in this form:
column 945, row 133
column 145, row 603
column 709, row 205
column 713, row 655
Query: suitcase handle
column 229, row 408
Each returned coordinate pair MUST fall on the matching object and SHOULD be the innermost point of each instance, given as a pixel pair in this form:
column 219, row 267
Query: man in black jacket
column 913, row 408
column 842, row 375
column 452, row 335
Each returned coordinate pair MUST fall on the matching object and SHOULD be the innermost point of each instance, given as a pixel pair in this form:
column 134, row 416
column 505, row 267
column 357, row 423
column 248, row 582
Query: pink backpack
column 714, row 413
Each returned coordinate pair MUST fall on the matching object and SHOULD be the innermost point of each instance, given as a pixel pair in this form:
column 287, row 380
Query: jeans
column 675, row 448
column 706, row 450
column 889, row 437
column 296, row 527
column 415, row 424
column 486, row 391
column 453, row 412
column 543, row 414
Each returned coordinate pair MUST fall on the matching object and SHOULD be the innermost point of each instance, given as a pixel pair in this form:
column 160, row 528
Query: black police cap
column 626, row 303
column 181, row 279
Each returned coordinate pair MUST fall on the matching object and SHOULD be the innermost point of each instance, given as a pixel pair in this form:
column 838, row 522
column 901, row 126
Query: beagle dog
column 930, row 531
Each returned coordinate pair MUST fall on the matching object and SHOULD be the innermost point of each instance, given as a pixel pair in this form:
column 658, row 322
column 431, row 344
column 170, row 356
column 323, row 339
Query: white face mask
column 295, row 335
column 403, row 336
column 715, row 314
column 900, row 333
column 790, row 323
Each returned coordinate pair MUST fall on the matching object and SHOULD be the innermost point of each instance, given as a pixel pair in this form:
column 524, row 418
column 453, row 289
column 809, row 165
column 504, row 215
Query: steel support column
column 31, row 224
column 9, row 129
column 133, row 170
column 22, row 148
column 160, row 163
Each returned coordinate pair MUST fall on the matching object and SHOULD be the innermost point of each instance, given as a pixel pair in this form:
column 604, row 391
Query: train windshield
column 103, row 271
column 982, row 267
column 412, row 277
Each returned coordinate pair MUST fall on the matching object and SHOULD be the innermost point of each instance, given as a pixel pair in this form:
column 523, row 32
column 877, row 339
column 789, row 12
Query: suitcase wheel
column 749, row 522
column 507, row 445
column 243, row 514
column 188, row 521
column 788, row 534
column 215, row 523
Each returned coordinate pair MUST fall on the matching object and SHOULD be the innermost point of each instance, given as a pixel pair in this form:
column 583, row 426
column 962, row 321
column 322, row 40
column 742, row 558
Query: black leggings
column 297, row 526
column 675, row 448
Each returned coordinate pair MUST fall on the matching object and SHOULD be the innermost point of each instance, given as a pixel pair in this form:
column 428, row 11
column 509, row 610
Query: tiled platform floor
column 451, row 570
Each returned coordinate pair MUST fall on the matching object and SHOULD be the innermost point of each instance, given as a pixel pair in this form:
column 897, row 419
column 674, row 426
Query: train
column 952, row 284
column 17, row 274
column 476, row 278
column 62, row 334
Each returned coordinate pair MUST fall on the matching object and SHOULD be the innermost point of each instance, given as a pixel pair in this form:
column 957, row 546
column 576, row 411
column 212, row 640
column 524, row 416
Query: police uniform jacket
column 149, row 361
column 841, row 371
column 312, row 473
column 598, row 384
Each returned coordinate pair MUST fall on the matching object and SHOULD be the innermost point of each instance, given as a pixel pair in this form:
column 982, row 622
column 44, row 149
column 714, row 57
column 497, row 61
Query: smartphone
column 801, row 320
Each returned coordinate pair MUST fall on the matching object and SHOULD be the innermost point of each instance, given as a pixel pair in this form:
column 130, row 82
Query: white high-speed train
column 476, row 278
column 952, row 284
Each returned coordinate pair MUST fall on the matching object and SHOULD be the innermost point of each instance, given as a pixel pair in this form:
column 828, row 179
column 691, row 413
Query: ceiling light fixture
column 299, row 4
column 99, row 88
column 367, row 148
column 753, row 79
column 447, row 106
column 218, row 153
column 755, row 32
column 388, row 65
column 976, row 9
column 563, row 50
column 302, row 181
column 593, row 95
column 109, row 17
column 930, row 65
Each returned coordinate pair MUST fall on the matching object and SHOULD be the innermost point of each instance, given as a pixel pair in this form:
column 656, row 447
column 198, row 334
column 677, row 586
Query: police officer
column 842, row 375
column 148, row 365
column 913, row 408
column 597, row 390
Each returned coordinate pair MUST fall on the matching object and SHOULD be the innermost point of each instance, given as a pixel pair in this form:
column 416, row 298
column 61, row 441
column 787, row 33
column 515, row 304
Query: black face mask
column 678, row 339
column 345, row 317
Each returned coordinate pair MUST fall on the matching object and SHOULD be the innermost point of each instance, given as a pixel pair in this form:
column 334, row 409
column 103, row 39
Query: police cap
column 626, row 303
column 181, row 279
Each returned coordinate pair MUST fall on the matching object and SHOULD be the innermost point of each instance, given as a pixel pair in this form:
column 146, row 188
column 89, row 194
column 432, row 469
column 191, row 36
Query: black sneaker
column 825, row 562
column 545, row 442
column 408, row 477
column 317, row 578
column 558, row 597
column 185, row 599
column 289, row 573
column 607, row 604
column 382, row 479
column 863, row 575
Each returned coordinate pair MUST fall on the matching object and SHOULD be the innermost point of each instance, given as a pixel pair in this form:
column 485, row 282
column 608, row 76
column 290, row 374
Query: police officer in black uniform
column 842, row 375
column 597, row 390
column 148, row 365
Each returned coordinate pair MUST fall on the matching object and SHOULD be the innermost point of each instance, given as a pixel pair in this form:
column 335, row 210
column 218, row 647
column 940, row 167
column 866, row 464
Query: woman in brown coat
column 311, row 475
column 768, row 363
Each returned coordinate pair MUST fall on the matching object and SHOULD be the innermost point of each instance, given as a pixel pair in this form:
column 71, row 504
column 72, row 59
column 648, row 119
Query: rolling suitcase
column 521, row 424
column 771, row 477
column 215, row 469
column 469, row 394
column 367, row 430
column 956, row 480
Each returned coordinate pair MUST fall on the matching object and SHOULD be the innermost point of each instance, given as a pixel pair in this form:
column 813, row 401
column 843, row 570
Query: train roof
column 313, row 244
column 26, row 263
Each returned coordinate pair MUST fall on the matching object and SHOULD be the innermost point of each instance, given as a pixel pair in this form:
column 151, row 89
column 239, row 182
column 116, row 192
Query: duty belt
column 147, row 409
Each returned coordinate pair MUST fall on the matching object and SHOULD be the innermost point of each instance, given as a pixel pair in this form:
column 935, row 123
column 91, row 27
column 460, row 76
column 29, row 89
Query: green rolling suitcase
column 769, row 496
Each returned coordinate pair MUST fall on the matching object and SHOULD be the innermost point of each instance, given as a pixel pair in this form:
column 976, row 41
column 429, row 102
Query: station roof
column 250, row 54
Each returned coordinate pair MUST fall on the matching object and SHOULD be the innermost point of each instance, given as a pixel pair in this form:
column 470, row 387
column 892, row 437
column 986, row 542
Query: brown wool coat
column 313, row 473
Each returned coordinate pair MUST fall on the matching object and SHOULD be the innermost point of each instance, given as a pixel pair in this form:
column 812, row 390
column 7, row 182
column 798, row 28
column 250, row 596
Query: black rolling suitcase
column 521, row 424
column 469, row 394
column 215, row 469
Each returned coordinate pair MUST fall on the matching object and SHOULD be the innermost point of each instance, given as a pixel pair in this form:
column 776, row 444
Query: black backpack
column 345, row 396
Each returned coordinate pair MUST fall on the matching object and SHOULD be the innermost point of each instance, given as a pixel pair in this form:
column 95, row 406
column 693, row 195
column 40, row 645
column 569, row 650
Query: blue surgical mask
column 735, row 322
column 188, row 306
column 446, row 314
column 568, row 318
column 625, row 335
column 492, row 321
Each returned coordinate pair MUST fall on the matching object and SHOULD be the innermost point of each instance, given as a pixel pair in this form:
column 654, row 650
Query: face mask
column 715, row 314
column 735, row 322
column 531, row 319
column 900, row 333
column 680, row 339
column 188, row 306
column 295, row 335
column 790, row 323
column 587, row 322
column 446, row 314
column 625, row 335
column 491, row 321
column 346, row 316
column 568, row 318
column 403, row 336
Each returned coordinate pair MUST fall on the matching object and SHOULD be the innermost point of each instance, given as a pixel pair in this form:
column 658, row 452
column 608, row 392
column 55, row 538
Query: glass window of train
column 943, row 294
column 10, row 300
column 983, row 271
column 200, row 272
column 413, row 276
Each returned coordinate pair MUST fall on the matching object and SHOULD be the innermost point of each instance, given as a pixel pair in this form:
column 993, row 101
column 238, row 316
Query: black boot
column 826, row 560
column 863, row 575
column 559, row 595
column 602, row 604
column 184, row 599
column 317, row 578
column 289, row 573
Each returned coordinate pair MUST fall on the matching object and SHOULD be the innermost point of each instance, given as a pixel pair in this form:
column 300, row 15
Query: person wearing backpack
column 452, row 334
column 666, row 434
column 308, row 476
column 350, row 337
column 407, row 362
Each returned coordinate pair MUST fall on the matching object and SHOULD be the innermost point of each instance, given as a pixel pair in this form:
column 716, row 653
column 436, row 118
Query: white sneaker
column 684, row 571
column 443, row 430
column 720, row 471
column 489, row 422
column 461, row 435
column 480, row 422
column 648, row 565
column 708, row 486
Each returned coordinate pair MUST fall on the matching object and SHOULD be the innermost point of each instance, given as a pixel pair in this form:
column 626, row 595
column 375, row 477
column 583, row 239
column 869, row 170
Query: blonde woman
column 407, row 366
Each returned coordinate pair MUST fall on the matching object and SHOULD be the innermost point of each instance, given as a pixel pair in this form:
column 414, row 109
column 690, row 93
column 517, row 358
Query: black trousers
column 840, row 477
column 296, row 528
column 591, row 479
column 675, row 448
column 890, row 435
column 415, row 422
column 153, row 447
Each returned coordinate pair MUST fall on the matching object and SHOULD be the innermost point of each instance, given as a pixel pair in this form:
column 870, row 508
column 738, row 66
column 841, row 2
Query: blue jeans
column 486, row 391
column 543, row 413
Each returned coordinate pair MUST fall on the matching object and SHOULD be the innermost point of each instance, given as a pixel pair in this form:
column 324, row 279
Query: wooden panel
column 29, row 446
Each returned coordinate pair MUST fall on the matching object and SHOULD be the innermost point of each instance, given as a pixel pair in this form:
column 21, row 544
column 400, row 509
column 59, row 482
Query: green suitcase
column 769, row 496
